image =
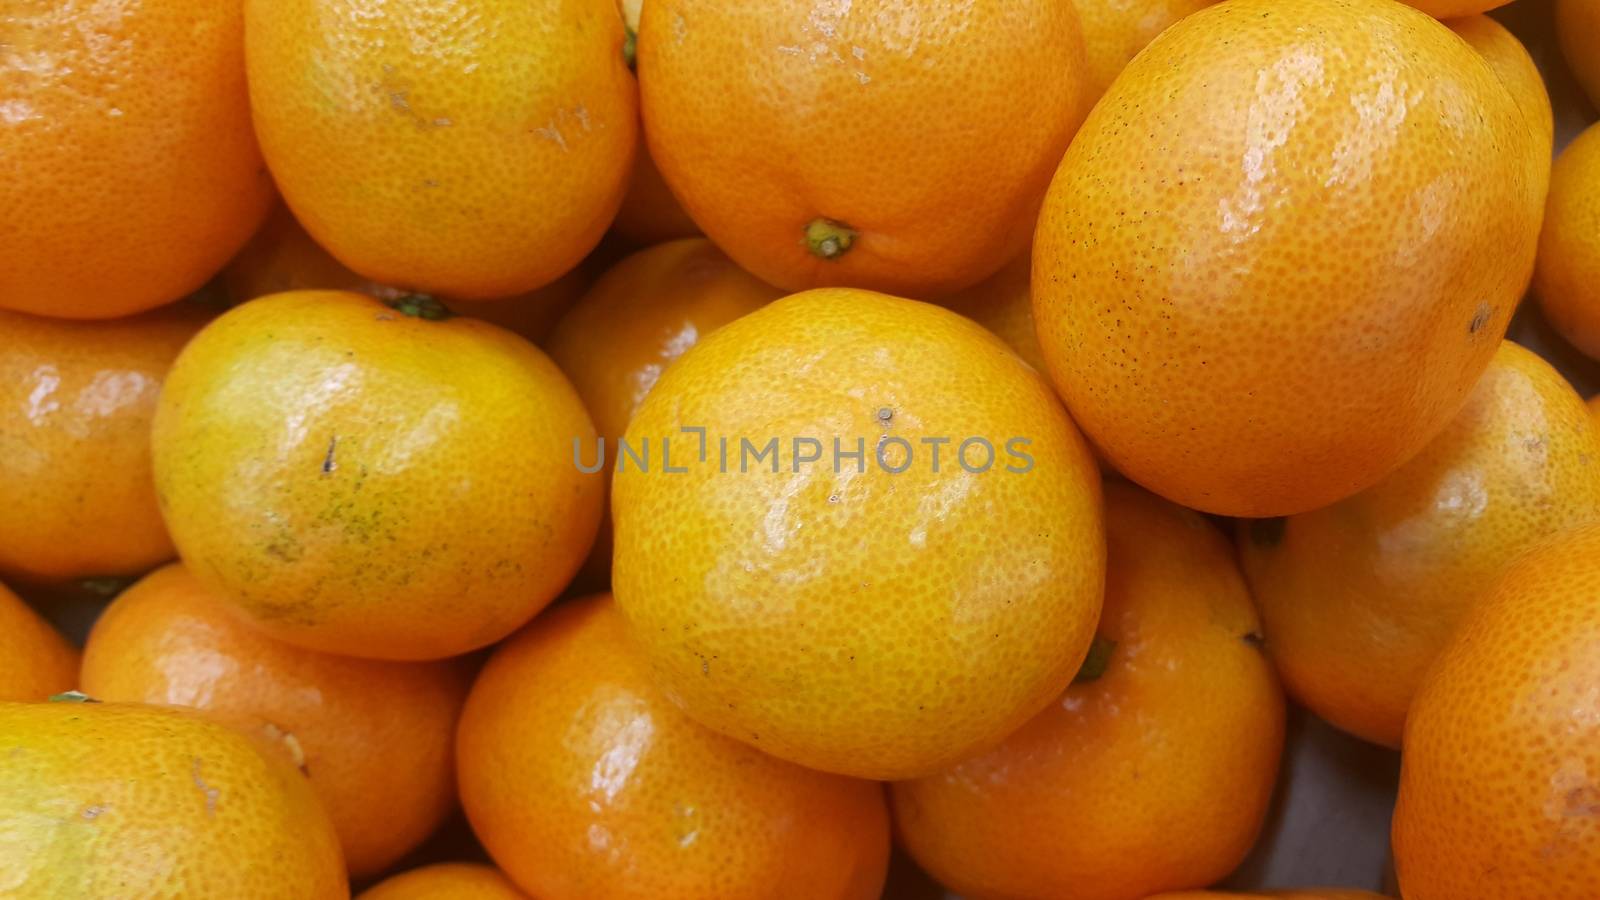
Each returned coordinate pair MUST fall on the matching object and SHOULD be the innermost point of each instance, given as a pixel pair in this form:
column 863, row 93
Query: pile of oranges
column 721, row 446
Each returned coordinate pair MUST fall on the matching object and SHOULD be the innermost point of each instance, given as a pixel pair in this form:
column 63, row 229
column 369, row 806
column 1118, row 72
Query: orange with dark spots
column 1293, row 286
column 377, row 480
column 929, row 633
column 1154, row 769
column 586, row 783
column 1498, row 799
column 875, row 144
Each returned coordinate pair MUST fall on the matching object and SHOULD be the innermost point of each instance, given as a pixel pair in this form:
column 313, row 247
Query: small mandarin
column 1154, row 769
column 1497, row 797
column 76, row 403
column 1578, row 29
column 168, row 640
column 585, row 783
column 128, row 800
column 1567, row 279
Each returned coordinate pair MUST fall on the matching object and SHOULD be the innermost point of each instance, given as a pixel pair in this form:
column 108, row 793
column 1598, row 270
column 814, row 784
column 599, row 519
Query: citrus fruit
column 874, row 144
column 1153, row 770
column 376, row 737
column 1003, row 305
column 1567, row 279
column 1517, row 71
column 815, row 583
column 282, row 257
column 1359, row 597
column 35, row 660
column 446, row 881
column 1497, row 797
column 583, row 781
column 126, row 800
column 128, row 169
column 645, row 312
column 474, row 152
column 375, row 480
column 1578, row 28
column 1292, row 287
column 1114, row 31
column 1306, row 894
column 76, row 400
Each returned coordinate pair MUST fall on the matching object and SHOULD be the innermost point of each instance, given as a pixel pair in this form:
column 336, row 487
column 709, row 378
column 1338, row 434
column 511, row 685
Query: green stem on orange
column 828, row 239
column 420, row 306
column 630, row 46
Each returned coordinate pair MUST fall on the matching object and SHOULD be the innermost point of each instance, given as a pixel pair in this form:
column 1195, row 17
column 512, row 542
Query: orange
column 35, row 660
column 475, row 153
column 1114, row 31
column 1455, row 9
column 126, row 800
column 835, row 596
column 383, row 481
column 1003, row 305
column 1307, row 894
column 645, row 312
column 129, row 172
column 1497, row 792
column 1359, row 597
column 1153, row 770
column 583, row 781
column 1295, row 285
column 282, row 257
column 376, row 737
column 1517, row 71
column 446, row 881
column 1567, row 279
column 874, row 144
column 76, row 400
column 1578, row 28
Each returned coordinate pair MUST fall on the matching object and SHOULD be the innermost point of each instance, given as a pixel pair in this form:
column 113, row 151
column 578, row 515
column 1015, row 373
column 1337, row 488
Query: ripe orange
column 1497, row 793
column 1150, row 774
column 583, row 781
column 645, row 312
column 474, row 152
column 931, row 631
column 874, row 144
column 126, row 800
column 373, row 480
column 128, row 169
column 1455, row 9
column 1115, row 30
column 376, row 736
column 1307, row 894
column 282, row 257
column 35, row 660
column 1359, row 597
column 1567, row 279
column 1003, row 305
column 76, row 400
column 1578, row 28
column 446, row 881
column 1294, row 286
